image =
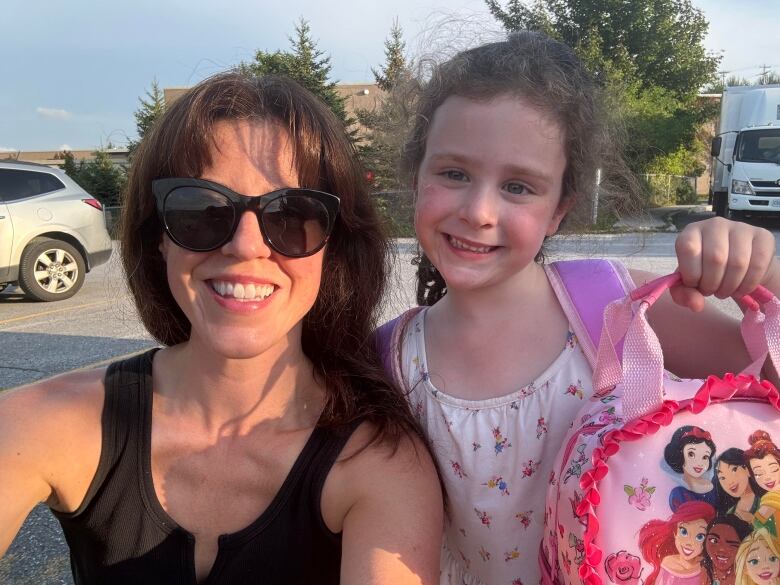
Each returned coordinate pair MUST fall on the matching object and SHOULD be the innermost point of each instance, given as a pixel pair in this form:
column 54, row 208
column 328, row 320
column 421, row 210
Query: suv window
column 16, row 184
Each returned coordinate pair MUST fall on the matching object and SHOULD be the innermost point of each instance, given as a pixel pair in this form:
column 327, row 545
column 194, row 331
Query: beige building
column 56, row 158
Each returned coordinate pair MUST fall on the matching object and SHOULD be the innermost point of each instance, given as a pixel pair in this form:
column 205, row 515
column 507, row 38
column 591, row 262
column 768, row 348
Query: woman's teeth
column 242, row 292
column 460, row 245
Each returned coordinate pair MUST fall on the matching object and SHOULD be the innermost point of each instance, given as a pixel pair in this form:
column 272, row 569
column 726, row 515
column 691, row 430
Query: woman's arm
column 49, row 440
column 393, row 524
column 715, row 257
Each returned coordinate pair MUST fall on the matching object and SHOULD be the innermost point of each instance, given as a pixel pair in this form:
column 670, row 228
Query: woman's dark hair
column 337, row 331
column 547, row 74
column 733, row 456
column 741, row 527
column 686, row 435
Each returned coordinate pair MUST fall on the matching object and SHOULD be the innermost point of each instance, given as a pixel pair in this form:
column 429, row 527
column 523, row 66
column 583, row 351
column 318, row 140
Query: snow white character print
column 690, row 452
column 675, row 547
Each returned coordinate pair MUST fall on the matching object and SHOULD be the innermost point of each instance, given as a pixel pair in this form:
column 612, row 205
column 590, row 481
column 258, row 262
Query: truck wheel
column 51, row 270
column 719, row 204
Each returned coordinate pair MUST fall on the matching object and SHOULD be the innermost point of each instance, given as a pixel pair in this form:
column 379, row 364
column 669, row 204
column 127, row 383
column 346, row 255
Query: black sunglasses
column 202, row 215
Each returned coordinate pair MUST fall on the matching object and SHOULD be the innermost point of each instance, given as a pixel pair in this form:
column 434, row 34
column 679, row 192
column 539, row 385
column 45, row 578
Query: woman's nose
column 247, row 241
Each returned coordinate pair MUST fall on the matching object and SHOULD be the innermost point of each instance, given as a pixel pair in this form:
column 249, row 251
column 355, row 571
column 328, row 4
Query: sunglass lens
column 296, row 224
column 198, row 218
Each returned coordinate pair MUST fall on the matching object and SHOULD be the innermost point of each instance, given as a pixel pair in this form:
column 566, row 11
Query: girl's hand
column 722, row 258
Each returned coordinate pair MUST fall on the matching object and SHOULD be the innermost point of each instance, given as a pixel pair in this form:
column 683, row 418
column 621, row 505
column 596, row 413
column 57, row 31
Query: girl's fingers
column 687, row 297
column 740, row 259
column 762, row 255
column 714, row 256
column 688, row 247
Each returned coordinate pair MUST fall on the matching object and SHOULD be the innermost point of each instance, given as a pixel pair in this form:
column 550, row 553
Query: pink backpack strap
column 388, row 343
column 584, row 288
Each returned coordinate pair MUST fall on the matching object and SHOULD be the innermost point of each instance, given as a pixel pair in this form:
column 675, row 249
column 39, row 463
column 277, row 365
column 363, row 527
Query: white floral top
column 496, row 456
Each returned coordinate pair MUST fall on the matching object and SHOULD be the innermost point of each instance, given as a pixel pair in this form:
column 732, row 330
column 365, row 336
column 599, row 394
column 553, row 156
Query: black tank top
column 120, row 535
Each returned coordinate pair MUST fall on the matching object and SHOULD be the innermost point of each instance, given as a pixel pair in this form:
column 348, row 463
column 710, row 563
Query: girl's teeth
column 463, row 246
column 242, row 292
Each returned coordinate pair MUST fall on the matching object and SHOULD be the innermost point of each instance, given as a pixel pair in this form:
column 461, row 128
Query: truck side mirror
column 716, row 143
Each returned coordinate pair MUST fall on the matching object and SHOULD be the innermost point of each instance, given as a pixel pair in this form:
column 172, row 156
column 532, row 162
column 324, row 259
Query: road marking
column 52, row 311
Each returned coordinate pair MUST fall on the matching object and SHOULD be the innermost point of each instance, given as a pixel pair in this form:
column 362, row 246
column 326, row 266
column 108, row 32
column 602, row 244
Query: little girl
column 507, row 140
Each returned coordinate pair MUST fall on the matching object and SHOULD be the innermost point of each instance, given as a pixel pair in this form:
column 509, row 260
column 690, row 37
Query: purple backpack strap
column 584, row 288
column 388, row 344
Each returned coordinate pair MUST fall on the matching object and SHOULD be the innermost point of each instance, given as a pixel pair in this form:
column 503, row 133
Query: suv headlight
column 741, row 187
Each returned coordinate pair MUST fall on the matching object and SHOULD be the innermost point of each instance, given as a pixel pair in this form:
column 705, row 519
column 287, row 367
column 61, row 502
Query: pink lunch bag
column 669, row 481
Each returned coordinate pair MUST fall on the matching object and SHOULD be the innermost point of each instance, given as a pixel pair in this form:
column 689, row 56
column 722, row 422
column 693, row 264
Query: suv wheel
column 51, row 270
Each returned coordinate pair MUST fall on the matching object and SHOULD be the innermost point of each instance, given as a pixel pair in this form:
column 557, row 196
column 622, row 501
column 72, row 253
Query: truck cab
column 746, row 167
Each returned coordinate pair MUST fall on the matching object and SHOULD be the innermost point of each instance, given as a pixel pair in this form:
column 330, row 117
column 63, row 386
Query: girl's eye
column 454, row 175
column 753, row 562
column 733, row 469
column 700, row 537
column 516, row 188
column 683, row 531
column 690, row 454
column 706, row 457
column 713, row 540
column 773, row 559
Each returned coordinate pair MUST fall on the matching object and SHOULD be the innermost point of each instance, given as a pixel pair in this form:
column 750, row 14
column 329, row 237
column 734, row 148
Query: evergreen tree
column 387, row 124
column 148, row 113
column 307, row 65
column 70, row 167
column 396, row 69
column 102, row 178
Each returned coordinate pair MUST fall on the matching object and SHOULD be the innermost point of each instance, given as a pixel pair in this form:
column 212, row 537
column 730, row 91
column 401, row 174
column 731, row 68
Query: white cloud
column 64, row 147
column 7, row 149
column 56, row 113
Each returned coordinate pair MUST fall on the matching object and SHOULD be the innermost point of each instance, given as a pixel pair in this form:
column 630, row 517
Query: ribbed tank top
column 120, row 534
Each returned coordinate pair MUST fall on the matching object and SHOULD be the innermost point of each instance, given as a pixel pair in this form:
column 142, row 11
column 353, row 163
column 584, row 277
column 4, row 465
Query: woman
column 724, row 535
column 738, row 492
column 758, row 560
column 690, row 452
column 764, row 460
column 675, row 547
column 262, row 443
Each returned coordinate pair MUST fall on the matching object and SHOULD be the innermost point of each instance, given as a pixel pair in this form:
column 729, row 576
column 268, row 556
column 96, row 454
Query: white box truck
column 746, row 151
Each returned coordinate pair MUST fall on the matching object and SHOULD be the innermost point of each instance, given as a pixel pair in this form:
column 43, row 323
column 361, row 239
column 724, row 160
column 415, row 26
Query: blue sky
column 71, row 72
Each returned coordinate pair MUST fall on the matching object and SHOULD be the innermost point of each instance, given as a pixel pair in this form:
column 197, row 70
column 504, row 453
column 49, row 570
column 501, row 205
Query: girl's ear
column 564, row 205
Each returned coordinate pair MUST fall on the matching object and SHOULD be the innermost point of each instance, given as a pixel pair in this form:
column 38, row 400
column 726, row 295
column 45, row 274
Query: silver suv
column 52, row 232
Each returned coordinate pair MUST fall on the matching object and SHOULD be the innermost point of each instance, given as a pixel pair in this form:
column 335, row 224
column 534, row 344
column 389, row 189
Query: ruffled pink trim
column 712, row 391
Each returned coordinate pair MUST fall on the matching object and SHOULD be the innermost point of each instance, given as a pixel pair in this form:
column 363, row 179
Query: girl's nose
column 247, row 242
column 480, row 207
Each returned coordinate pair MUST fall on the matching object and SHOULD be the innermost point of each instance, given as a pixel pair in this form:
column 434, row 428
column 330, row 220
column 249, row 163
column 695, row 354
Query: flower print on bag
column 575, row 467
column 608, row 416
column 512, row 555
column 501, row 441
column 575, row 503
column 525, row 518
column 623, row 568
column 498, row 482
column 639, row 496
column 541, row 428
column 484, row 553
column 571, row 340
column 579, row 548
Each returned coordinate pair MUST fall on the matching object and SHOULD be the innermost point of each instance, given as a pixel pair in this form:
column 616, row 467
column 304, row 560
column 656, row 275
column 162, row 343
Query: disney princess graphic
column 675, row 546
column 690, row 453
column 764, row 460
